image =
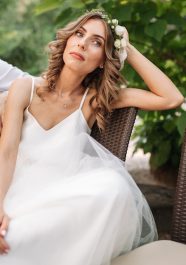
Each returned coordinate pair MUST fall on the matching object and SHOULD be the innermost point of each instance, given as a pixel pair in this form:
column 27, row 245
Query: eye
column 77, row 31
column 98, row 42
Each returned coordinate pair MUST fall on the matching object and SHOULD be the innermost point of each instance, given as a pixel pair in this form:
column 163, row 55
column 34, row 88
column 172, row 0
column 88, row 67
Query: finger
column 3, row 245
column 3, row 230
column 4, row 225
column 2, row 239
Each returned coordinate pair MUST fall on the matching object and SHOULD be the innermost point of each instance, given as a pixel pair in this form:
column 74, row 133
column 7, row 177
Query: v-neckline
column 63, row 120
column 56, row 125
column 60, row 122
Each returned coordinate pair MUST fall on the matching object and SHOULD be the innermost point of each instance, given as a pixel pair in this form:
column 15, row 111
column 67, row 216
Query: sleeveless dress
column 71, row 201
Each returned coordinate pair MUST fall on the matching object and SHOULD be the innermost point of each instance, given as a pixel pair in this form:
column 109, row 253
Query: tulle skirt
column 74, row 204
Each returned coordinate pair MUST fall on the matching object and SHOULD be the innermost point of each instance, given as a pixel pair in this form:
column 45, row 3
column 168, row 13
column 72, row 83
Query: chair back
column 178, row 227
column 117, row 132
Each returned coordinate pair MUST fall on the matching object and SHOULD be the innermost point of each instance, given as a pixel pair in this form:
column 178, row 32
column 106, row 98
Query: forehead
column 95, row 26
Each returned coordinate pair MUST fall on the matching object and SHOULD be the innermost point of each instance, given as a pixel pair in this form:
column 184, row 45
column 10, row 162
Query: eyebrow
column 96, row 35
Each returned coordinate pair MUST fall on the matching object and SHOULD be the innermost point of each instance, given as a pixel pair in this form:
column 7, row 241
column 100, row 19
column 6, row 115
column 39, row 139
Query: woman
column 64, row 197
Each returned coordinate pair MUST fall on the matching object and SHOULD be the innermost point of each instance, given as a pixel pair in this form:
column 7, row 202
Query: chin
column 75, row 67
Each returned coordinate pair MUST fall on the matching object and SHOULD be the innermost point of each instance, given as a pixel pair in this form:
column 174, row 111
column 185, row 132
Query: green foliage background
column 156, row 28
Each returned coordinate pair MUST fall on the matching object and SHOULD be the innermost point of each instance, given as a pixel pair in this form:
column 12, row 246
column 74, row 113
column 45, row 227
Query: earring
column 101, row 66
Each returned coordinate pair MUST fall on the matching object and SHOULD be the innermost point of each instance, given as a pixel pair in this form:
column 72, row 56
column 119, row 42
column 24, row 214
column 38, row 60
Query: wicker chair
column 120, row 121
column 178, row 230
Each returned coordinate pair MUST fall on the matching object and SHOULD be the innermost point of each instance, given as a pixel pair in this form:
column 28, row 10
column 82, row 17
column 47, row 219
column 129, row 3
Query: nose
column 82, row 44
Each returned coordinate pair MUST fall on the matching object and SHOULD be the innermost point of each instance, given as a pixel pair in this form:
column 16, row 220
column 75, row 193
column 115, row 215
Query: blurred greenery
column 24, row 36
column 156, row 28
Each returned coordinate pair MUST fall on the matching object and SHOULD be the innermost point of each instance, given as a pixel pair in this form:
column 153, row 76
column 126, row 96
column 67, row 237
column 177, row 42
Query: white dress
column 71, row 201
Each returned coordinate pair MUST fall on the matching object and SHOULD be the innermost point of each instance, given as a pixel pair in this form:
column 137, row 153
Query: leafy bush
column 24, row 36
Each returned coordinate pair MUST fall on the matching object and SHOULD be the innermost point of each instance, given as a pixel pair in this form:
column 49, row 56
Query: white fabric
column 71, row 200
column 9, row 73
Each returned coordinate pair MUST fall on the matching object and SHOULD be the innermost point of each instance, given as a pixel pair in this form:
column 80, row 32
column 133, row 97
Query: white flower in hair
column 120, row 42
column 115, row 21
column 117, row 43
column 119, row 30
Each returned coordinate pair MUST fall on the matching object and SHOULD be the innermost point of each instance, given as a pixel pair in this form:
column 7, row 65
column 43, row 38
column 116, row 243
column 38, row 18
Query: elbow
column 176, row 102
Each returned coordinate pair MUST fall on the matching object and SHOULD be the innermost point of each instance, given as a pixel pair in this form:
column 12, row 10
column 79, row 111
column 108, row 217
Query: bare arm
column 163, row 93
column 17, row 101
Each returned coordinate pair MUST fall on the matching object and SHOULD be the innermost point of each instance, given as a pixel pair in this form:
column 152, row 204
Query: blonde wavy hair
column 106, row 80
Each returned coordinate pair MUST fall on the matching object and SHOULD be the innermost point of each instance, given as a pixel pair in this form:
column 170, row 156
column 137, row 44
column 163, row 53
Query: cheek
column 69, row 46
column 96, row 54
column 69, row 43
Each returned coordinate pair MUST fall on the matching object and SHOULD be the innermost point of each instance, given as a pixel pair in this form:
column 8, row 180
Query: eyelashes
column 98, row 42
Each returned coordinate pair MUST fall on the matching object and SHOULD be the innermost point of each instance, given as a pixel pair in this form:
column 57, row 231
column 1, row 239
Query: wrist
column 130, row 51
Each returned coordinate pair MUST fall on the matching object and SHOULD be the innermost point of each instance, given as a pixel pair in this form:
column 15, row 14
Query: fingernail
column 3, row 232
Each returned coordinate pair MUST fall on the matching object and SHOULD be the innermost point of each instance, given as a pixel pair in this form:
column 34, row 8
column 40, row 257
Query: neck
column 69, row 83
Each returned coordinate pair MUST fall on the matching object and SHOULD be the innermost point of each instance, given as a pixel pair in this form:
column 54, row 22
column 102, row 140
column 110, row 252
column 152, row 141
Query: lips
column 78, row 55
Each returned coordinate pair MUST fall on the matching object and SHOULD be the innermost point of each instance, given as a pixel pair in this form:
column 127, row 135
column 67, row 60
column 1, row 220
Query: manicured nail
column 3, row 232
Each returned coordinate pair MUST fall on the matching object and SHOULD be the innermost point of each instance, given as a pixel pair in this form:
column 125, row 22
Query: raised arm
column 163, row 93
column 17, row 101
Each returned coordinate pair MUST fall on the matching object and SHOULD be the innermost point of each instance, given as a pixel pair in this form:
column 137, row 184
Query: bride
column 64, row 198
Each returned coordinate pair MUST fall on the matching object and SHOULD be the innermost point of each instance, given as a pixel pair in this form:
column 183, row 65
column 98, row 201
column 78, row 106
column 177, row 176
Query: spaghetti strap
column 32, row 91
column 83, row 98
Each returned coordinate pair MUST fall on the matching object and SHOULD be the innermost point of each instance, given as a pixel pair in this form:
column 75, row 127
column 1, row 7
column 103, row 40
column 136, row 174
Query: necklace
column 67, row 103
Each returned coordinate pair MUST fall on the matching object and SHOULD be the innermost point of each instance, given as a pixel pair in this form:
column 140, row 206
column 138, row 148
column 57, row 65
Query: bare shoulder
column 39, row 81
column 17, row 101
column 19, row 91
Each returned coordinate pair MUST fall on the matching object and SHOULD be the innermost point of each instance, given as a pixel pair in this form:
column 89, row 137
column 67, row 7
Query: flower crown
column 118, row 31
